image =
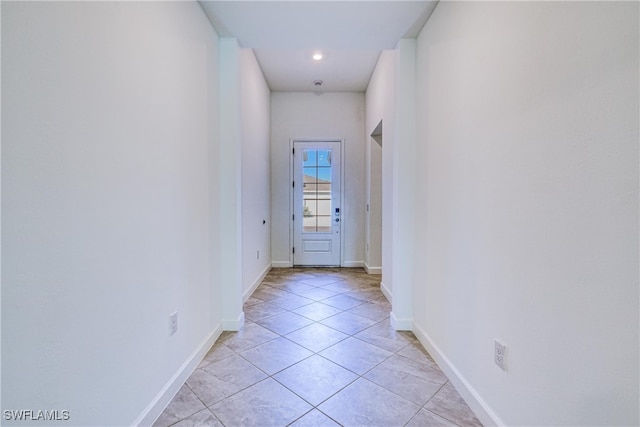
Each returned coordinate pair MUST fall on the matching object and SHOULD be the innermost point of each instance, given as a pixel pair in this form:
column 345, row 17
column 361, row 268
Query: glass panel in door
column 316, row 194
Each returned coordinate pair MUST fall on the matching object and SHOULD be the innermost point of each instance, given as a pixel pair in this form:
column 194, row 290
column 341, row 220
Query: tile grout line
column 314, row 353
column 359, row 286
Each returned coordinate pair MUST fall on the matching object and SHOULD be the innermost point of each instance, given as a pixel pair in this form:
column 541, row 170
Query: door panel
column 316, row 199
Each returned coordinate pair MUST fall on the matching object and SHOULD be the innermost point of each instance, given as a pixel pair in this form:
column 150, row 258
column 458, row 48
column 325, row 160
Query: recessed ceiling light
column 317, row 56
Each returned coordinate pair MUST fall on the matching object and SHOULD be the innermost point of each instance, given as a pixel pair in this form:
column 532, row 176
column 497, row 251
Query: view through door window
column 316, row 209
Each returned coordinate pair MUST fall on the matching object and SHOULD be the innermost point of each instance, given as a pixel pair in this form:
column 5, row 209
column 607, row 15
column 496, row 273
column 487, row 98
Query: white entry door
column 316, row 203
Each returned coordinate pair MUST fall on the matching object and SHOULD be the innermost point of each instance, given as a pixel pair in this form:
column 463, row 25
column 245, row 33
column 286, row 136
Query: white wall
column 528, row 202
column 405, row 179
column 380, row 101
column 256, row 172
column 230, row 178
column 331, row 116
column 110, row 125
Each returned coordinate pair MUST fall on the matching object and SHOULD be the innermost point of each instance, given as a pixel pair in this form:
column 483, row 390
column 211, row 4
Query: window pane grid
column 316, row 209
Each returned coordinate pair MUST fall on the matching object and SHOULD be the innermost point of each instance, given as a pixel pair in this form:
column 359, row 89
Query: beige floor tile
column 417, row 356
column 285, row 322
column 348, row 323
column 204, row 418
column 269, row 294
column 449, row 404
column 383, row 299
column 340, row 355
column 342, row 287
column 415, row 351
column 217, row 352
column 370, row 310
column 316, row 294
column 292, row 301
column 277, row 282
column 317, row 311
column 258, row 312
column 363, row 403
column 412, row 380
column 277, row 273
column 367, row 294
column 220, row 379
column 342, row 301
column 292, row 287
column 314, row 418
column 315, row 379
column 384, row 336
column 276, row 355
column 358, row 281
column 300, row 276
column 355, row 355
column 267, row 403
column 336, row 275
column 252, row 301
column 426, row 418
column 249, row 336
column 319, row 281
column 316, row 337
column 184, row 404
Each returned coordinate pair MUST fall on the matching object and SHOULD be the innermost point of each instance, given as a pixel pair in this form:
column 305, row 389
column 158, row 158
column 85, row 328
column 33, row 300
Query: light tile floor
column 317, row 349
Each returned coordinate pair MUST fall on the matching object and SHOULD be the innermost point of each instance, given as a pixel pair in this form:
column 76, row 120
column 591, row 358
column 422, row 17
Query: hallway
column 317, row 349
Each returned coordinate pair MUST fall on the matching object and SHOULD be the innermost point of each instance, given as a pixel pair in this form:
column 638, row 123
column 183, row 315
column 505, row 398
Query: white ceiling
column 350, row 34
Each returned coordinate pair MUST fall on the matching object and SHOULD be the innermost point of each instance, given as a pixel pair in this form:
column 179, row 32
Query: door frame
column 340, row 141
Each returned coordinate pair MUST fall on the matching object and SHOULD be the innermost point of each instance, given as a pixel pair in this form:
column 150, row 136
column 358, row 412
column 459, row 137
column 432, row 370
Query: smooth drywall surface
column 404, row 179
column 256, row 170
column 230, row 178
column 109, row 114
column 527, row 202
column 380, row 101
column 297, row 115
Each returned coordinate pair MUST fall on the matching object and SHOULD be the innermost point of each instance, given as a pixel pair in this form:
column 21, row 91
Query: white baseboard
column 347, row 264
column 401, row 324
column 281, row 264
column 256, row 283
column 372, row 270
column 477, row 404
column 387, row 292
column 233, row 324
column 171, row 388
column 353, row 264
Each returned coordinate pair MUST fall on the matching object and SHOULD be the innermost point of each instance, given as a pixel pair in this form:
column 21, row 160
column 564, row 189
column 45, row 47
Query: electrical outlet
column 500, row 355
column 173, row 323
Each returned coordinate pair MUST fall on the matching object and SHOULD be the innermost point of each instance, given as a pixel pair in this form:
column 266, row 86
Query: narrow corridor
column 317, row 349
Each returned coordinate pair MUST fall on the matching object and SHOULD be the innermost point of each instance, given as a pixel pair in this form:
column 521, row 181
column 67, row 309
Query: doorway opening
column 373, row 224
